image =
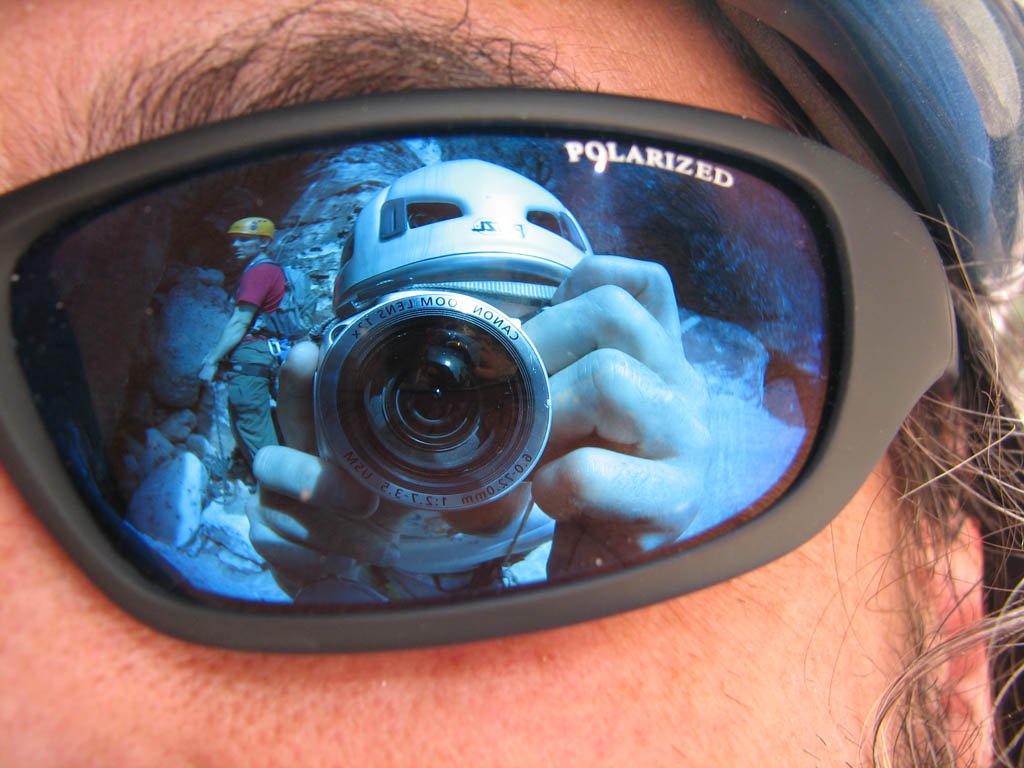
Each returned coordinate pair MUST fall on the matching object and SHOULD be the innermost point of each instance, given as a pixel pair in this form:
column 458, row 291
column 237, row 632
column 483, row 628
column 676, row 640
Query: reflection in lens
column 432, row 411
column 426, row 407
column 437, row 397
column 436, row 403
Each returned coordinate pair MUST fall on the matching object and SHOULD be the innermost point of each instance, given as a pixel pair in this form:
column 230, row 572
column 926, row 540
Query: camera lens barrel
column 432, row 399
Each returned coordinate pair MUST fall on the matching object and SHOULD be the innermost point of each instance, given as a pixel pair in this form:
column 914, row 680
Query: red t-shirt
column 263, row 285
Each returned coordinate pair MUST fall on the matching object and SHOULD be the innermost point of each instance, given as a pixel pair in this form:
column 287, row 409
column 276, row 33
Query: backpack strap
column 263, row 259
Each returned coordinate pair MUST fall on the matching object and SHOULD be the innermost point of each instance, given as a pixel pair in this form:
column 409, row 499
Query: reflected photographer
column 622, row 470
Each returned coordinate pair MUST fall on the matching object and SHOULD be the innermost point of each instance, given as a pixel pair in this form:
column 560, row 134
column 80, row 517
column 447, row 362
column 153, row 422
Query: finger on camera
column 493, row 517
column 647, row 281
column 600, row 484
column 610, row 397
column 610, row 317
column 312, row 480
column 298, row 537
column 295, row 396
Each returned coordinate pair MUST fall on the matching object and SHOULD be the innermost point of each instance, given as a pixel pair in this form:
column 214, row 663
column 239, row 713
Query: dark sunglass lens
column 534, row 359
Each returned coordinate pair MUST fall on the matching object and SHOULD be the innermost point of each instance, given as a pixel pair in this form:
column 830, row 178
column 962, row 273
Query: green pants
column 249, row 397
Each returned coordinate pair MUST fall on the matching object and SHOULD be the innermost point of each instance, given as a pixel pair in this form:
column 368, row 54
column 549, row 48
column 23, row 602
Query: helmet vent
column 421, row 214
column 559, row 224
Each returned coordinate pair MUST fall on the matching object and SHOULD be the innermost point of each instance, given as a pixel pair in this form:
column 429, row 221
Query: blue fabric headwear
column 928, row 88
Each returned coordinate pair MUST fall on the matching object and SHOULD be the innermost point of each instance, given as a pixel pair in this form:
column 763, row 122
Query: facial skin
column 248, row 248
column 780, row 666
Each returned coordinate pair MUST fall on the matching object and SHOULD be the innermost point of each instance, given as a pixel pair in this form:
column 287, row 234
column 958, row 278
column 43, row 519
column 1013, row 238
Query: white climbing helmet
column 462, row 224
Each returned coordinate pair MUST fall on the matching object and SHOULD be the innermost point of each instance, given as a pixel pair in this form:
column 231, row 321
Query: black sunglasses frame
column 896, row 327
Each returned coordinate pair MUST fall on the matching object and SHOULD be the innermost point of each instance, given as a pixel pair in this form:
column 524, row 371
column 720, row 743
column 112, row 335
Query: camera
column 428, row 392
column 432, row 399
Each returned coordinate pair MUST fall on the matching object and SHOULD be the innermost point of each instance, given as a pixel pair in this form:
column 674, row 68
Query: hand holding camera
column 628, row 439
column 413, row 397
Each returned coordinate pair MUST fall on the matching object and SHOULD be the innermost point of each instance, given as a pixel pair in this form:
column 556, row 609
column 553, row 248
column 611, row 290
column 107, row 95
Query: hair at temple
column 959, row 453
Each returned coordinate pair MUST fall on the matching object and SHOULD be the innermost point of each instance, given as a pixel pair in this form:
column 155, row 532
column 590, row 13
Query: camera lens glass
column 438, row 401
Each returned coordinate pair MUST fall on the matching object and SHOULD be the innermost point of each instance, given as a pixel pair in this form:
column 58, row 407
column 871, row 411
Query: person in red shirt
column 252, row 367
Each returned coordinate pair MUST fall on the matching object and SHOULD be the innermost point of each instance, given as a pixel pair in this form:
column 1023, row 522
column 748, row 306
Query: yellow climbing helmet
column 253, row 226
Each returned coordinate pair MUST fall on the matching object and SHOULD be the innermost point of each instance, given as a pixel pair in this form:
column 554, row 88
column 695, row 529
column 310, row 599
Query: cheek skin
column 794, row 653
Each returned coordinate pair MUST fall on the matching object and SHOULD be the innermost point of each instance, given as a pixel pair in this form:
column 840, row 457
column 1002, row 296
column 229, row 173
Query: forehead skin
column 70, row 67
column 780, row 666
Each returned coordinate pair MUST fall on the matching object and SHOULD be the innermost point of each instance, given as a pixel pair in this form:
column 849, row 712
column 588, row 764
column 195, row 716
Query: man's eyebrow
column 324, row 50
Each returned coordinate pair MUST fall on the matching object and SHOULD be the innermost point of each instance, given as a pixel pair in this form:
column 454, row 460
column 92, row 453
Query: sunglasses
column 526, row 358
